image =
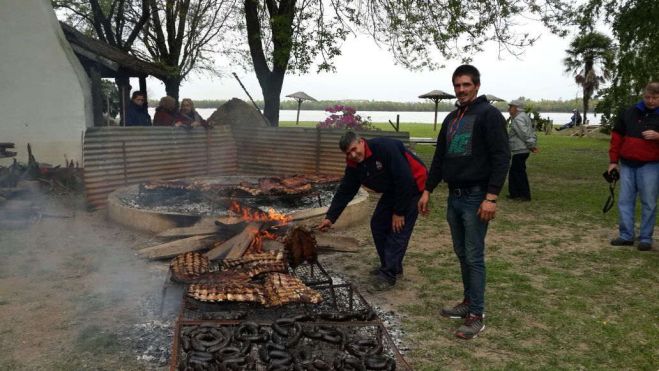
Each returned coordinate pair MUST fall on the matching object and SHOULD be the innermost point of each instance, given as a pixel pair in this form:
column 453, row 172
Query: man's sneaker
column 645, row 246
column 620, row 242
column 459, row 311
column 473, row 326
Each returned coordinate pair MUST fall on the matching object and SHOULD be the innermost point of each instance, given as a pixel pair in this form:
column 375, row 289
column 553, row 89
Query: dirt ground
column 74, row 295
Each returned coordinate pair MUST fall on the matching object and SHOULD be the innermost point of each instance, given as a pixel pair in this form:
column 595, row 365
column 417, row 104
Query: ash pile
column 256, row 298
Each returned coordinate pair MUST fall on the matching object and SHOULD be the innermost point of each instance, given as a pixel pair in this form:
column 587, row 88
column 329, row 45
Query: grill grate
column 341, row 346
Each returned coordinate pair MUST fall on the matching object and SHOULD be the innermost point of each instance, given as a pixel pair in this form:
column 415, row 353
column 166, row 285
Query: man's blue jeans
column 468, row 232
column 644, row 182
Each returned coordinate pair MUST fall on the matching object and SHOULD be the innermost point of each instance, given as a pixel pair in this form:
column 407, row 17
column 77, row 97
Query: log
column 337, row 243
column 177, row 247
column 236, row 246
column 190, row 231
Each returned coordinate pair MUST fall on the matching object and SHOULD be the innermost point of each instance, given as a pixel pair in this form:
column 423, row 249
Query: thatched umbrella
column 300, row 96
column 493, row 98
column 436, row 96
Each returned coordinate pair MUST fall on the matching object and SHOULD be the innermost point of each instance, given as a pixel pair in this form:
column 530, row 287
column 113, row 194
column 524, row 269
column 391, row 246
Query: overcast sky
column 365, row 71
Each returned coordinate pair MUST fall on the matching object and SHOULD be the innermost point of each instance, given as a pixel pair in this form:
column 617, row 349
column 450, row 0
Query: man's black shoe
column 620, row 242
column 645, row 246
column 380, row 283
column 457, row 311
column 376, row 271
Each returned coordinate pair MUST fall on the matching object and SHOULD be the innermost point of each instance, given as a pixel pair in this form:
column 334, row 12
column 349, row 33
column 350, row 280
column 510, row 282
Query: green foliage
column 586, row 54
column 634, row 27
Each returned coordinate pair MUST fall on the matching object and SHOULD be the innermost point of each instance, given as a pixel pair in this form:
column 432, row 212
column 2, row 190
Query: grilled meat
column 230, row 291
column 301, row 246
column 283, row 288
column 189, row 267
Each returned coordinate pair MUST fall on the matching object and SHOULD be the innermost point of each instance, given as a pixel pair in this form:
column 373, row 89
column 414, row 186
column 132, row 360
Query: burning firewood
column 177, row 247
column 236, row 246
column 301, row 246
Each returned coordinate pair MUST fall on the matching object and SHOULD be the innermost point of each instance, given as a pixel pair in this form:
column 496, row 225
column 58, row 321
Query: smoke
column 72, row 290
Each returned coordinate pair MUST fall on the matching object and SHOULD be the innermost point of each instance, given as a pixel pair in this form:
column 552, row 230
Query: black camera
column 612, row 176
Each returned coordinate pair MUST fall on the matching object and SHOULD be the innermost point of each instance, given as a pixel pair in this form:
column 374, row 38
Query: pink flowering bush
column 344, row 117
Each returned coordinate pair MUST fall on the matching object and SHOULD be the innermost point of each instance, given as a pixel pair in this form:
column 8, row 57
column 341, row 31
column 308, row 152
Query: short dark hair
column 468, row 70
column 347, row 139
column 652, row 88
column 137, row 93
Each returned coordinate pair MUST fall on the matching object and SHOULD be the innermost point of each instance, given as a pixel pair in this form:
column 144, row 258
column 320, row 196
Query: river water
column 559, row 118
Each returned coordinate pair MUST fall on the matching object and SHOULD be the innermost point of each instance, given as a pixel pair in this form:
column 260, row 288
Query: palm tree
column 585, row 53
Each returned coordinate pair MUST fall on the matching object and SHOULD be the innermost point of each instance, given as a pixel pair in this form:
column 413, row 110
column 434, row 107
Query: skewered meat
column 301, row 246
column 230, row 291
column 189, row 267
column 282, row 289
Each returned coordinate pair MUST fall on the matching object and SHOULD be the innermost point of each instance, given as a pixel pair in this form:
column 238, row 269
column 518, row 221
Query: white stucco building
column 45, row 94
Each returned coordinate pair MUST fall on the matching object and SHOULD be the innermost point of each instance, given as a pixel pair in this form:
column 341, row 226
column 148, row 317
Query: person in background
column 635, row 145
column 472, row 156
column 385, row 166
column 575, row 120
column 188, row 112
column 137, row 113
column 522, row 139
column 166, row 113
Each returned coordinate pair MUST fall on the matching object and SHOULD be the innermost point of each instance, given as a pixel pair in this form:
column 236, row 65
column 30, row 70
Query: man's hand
column 611, row 167
column 535, row 150
column 423, row 203
column 397, row 223
column 324, row 225
column 650, row 135
column 487, row 209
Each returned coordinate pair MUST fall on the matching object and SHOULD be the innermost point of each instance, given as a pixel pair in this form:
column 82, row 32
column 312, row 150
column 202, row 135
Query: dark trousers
column 391, row 247
column 518, row 182
column 468, row 233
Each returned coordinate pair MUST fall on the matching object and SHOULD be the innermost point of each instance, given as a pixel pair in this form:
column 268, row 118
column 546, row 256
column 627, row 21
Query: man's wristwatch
column 494, row 201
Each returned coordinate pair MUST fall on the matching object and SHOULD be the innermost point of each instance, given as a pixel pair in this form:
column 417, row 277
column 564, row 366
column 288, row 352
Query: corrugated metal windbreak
column 277, row 151
column 118, row 156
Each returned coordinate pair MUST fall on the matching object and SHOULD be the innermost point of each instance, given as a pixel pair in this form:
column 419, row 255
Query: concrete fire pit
column 127, row 207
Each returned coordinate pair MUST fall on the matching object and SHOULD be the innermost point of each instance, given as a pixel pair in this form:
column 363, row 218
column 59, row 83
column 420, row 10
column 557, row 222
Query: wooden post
column 97, row 96
column 299, row 104
column 434, row 128
column 397, row 123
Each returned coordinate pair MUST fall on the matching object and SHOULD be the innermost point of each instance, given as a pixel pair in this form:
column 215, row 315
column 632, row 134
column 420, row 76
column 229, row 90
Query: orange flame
column 259, row 216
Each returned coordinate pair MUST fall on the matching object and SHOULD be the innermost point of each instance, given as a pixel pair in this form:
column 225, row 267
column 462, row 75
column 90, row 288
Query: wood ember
column 301, row 246
column 283, row 288
column 189, row 267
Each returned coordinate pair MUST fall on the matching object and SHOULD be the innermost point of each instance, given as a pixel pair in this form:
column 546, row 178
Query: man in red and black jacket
column 385, row 166
column 635, row 144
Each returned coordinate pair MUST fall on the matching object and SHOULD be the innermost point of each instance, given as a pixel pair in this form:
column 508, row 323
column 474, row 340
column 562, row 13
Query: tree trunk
column 272, row 98
column 172, row 87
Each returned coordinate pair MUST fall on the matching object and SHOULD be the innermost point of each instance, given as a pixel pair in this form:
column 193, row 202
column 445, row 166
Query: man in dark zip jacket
column 473, row 157
column 385, row 166
column 635, row 144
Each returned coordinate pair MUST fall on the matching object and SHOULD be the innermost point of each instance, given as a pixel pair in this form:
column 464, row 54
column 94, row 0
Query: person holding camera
column 635, row 145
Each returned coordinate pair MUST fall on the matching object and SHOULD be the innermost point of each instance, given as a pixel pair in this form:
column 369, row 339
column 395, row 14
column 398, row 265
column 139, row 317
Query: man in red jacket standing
column 635, row 144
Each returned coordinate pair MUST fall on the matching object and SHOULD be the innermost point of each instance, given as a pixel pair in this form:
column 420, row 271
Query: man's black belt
column 465, row 191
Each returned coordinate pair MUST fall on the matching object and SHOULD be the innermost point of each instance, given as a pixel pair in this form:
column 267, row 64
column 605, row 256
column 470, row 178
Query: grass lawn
column 558, row 295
